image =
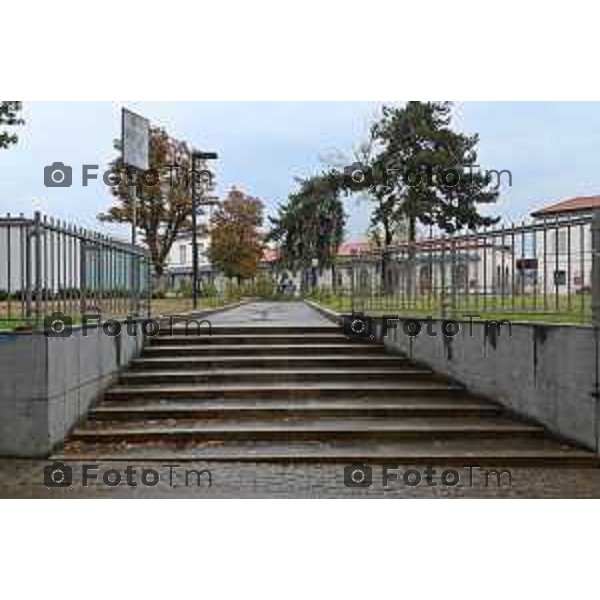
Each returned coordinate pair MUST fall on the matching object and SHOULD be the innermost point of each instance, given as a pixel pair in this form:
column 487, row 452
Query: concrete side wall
column 545, row 372
column 79, row 369
column 23, row 380
column 48, row 384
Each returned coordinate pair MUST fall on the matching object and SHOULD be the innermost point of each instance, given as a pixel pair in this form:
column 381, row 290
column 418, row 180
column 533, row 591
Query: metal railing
column 49, row 266
column 541, row 271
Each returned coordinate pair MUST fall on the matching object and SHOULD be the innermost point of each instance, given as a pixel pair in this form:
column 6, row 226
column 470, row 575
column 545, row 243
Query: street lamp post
column 196, row 156
column 315, row 264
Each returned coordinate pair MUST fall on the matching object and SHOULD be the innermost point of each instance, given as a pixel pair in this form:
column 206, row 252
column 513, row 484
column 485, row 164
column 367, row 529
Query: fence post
column 443, row 295
column 37, row 231
column 596, row 267
column 148, row 287
column 82, row 274
column 352, row 283
column 28, row 282
column 454, row 279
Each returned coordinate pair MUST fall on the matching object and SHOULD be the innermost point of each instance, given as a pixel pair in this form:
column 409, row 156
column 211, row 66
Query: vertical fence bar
column 453, row 277
column 511, row 291
column 28, row 273
column 467, row 253
column 582, row 233
column 82, row 274
column 429, row 275
column 9, row 269
column 38, row 265
column 596, row 268
column 51, row 234
column 556, row 264
column 537, row 269
column 523, row 271
column 60, row 266
column 569, row 267
column 46, row 291
column 443, row 303
column 352, row 283
column 485, row 269
column 24, row 256
column 545, row 289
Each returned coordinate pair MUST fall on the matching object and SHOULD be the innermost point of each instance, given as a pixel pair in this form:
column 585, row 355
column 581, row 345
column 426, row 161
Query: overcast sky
column 551, row 149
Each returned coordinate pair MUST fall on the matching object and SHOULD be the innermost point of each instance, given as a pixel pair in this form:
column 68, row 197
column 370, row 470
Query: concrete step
column 315, row 362
column 214, row 350
column 278, row 409
column 287, row 390
column 281, row 375
column 497, row 452
column 307, row 429
column 255, row 339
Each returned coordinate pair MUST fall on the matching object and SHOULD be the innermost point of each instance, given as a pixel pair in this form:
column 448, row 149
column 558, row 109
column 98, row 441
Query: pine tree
column 310, row 225
column 429, row 172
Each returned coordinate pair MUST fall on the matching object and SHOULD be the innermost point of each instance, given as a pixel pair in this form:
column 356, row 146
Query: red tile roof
column 579, row 204
column 346, row 249
column 353, row 247
column 269, row 255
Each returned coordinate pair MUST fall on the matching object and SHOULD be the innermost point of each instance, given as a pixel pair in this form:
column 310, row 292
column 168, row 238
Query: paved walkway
column 25, row 479
column 269, row 314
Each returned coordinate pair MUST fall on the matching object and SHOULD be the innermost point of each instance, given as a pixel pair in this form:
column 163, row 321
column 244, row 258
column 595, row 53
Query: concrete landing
column 267, row 314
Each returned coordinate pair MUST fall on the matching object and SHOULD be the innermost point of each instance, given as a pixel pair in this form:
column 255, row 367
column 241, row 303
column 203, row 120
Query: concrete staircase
column 300, row 394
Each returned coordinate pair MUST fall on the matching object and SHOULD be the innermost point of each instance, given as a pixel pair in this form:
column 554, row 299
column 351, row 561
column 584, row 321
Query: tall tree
column 236, row 245
column 422, row 171
column 429, row 171
column 163, row 209
column 311, row 224
column 9, row 115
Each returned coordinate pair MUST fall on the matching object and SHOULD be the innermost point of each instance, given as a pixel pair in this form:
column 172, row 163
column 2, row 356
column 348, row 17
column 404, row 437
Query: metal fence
column 541, row 270
column 49, row 266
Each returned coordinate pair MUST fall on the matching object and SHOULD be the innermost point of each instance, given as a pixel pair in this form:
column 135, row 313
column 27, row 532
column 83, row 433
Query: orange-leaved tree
column 163, row 208
column 236, row 241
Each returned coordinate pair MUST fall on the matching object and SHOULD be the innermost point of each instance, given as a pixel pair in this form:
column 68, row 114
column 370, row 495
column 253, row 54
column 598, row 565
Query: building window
column 182, row 254
column 560, row 277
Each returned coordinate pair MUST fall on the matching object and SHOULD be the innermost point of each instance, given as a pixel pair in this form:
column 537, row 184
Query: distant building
column 180, row 258
column 552, row 255
column 564, row 245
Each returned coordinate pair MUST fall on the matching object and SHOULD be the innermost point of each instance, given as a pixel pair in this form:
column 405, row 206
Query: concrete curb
column 205, row 312
column 329, row 314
